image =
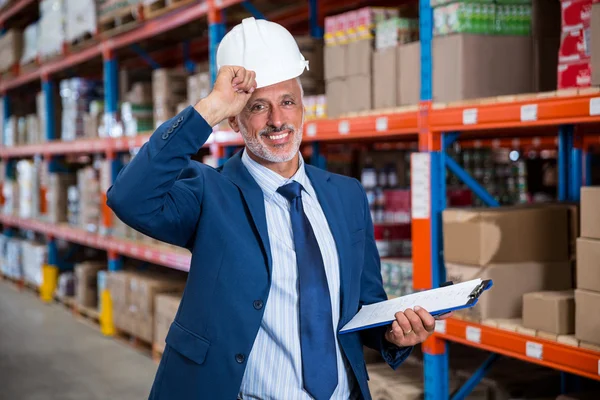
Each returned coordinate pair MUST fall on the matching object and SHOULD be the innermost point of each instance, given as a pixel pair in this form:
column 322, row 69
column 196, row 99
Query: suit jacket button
column 240, row 358
column 165, row 136
column 180, row 119
column 258, row 304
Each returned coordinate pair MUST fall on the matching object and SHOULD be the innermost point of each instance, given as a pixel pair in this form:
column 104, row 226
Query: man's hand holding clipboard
column 413, row 326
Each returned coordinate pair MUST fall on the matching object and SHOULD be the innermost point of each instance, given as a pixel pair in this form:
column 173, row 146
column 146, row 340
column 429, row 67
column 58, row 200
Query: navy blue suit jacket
column 219, row 215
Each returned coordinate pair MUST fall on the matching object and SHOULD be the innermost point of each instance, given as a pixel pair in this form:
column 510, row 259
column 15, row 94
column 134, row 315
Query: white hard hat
column 264, row 47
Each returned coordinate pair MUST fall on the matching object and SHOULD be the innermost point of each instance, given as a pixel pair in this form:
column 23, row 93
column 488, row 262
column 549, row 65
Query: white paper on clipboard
column 435, row 301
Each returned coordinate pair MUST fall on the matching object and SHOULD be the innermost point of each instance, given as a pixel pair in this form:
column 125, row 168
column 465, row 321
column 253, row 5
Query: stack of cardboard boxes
column 86, row 281
column 165, row 309
column 198, row 87
column 89, row 196
column 522, row 249
column 11, row 49
column 595, row 44
column 133, row 296
column 575, row 68
column 169, row 88
column 587, row 295
column 57, row 196
column 348, row 54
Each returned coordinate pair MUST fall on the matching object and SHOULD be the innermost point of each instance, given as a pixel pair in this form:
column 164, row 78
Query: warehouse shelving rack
column 569, row 120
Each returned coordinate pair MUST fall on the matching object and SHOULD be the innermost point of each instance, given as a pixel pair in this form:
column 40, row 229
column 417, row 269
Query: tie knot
column 291, row 191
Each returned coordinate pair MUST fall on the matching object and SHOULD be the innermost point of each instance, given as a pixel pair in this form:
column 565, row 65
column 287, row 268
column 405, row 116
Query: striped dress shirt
column 274, row 367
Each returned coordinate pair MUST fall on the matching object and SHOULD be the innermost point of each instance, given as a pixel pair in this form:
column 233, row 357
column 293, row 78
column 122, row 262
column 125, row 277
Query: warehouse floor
column 46, row 354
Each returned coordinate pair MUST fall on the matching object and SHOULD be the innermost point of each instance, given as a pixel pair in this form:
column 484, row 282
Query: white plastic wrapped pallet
column 31, row 37
column 51, row 28
column 80, row 19
column 33, row 256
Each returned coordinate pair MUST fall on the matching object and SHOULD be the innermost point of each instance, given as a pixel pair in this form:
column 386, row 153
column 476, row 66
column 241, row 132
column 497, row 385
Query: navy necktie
column 319, row 359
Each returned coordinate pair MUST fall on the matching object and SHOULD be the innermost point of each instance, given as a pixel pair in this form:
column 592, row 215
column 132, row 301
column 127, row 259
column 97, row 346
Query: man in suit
column 283, row 254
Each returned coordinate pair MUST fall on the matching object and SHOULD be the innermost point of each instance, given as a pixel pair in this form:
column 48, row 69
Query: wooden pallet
column 87, row 313
column 156, row 8
column 118, row 21
column 137, row 343
column 157, row 352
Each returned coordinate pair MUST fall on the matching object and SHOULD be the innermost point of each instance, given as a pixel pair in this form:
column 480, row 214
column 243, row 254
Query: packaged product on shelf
column 574, row 46
column 511, row 282
column 479, row 67
column 595, row 44
column 33, row 132
column 588, row 273
column 590, row 212
column 117, row 284
column 34, row 256
column 31, row 38
column 513, row 19
column 169, row 88
column 550, row 312
column 80, row 19
column 21, row 131
column 77, row 94
column 482, row 236
column 11, row 49
column 393, row 240
column 10, row 132
column 360, row 87
column 13, row 264
column 385, row 72
column 137, row 118
column 330, row 30
column 576, row 14
column 57, row 196
column 66, row 285
column 88, row 184
column 464, row 17
column 93, row 120
column 575, row 75
column 367, row 19
column 198, row 87
column 73, row 205
column 87, row 283
column 10, row 193
column 27, row 177
column 165, row 306
column 409, row 74
column 321, row 106
column 359, row 56
column 587, row 318
column 51, row 28
column 397, row 276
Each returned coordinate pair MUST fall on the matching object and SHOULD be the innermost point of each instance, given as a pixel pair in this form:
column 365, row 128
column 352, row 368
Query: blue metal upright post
column 565, row 143
column 575, row 166
column 425, row 36
column 216, row 31
column 316, row 29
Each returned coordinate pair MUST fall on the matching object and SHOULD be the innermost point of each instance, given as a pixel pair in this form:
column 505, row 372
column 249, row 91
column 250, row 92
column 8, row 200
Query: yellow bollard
column 49, row 282
column 107, row 325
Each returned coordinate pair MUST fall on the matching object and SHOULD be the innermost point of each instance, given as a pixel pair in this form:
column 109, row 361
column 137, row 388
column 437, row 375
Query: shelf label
column 421, row 190
column 534, row 350
column 470, row 116
column 529, row 112
column 473, row 334
column 148, row 254
column 595, row 106
column 381, row 124
column 440, row 326
column 344, row 127
column 311, row 130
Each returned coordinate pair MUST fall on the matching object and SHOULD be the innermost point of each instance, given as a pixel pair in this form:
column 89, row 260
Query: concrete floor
column 46, row 354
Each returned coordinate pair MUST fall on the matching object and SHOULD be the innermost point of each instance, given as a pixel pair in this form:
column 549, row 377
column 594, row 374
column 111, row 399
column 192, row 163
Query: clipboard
column 437, row 302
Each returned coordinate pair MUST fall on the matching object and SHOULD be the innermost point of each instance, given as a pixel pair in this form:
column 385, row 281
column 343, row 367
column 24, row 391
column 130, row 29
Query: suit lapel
column 235, row 170
column 330, row 200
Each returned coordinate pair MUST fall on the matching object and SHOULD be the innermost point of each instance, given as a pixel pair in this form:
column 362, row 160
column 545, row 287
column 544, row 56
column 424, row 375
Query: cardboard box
column 551, row 312
column 385, row 73
column 358, row 61
column 576, row 14
column 166, row 306
column 312, row 50
column 11, row 49
column 595, row 44
column 574, row 46
column 575, row 75
column 86, row 291
column 482, row 236
column 588, row 264
column 198, row 87
column 587, row 317
column 359, row 93
column 511, row 282
column 409, row 74
column 337, row 97
column 590, row 212
column 335, row 62
column 479, row 67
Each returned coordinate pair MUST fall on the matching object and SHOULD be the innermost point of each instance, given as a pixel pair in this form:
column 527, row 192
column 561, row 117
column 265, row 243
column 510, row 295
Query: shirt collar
column 269, row 181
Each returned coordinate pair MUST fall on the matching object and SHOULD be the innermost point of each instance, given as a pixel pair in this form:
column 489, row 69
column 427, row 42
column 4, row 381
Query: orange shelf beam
column 84, row 146
column 518, row 113
column 550, row 354
column 161, row 256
